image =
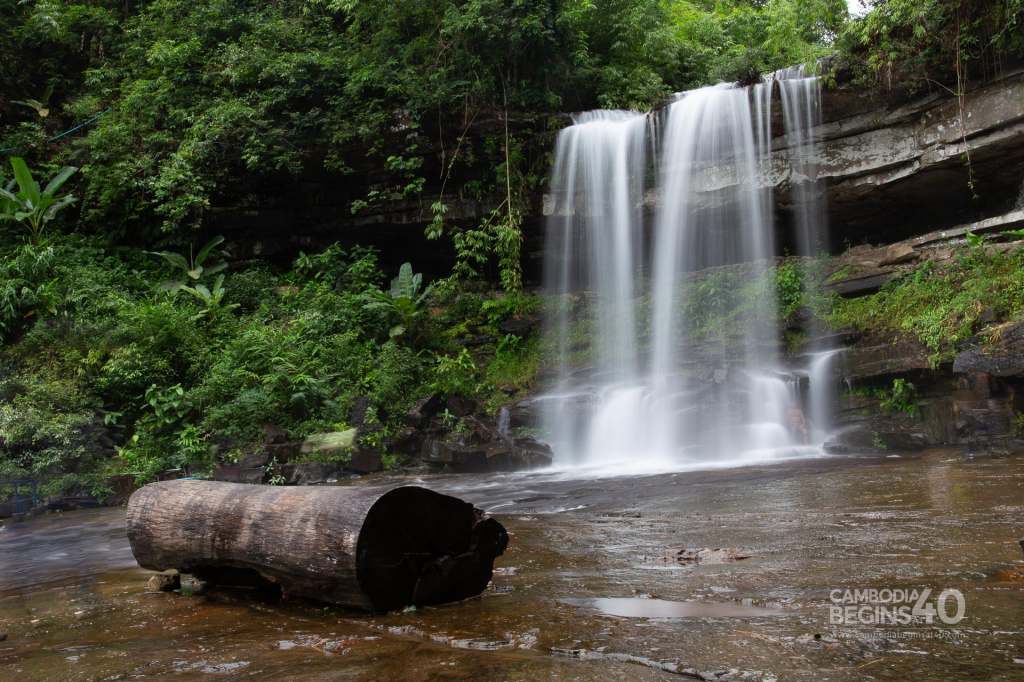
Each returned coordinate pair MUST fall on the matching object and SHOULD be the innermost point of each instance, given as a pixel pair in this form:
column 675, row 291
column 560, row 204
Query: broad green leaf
column 26, row 185
column 214, row 269
column 56, row 206
column 175, row 259
column 59, row 179
column 210, row 246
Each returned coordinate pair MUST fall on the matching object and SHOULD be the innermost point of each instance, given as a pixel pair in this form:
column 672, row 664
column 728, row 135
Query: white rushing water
column 643, row 383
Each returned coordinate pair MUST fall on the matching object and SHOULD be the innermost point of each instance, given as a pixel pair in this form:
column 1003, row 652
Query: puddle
column 634, row 607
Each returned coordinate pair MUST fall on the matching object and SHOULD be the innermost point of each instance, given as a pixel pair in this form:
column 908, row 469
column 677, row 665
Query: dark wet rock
column 866, row 360
column 525, row 414
column 984, row 419
column 865, row 438
column 357, row 413
column 423, row 410
column 164, row 582
column 1002, row 357
column 365, row 461
column 70, row 502
column 519, row 326
column 481, row 432
column 274, row 434
column 455, row 456
column 316, row 473
column 249, row 469
column 521, row 453
column 460, row 406
column 531, row 453
column 406, row 441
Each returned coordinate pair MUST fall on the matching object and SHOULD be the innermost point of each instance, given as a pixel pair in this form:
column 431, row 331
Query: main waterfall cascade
column 640, row 384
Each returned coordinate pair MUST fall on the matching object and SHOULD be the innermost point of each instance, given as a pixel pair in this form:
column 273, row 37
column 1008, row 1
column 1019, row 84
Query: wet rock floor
column 724, row 574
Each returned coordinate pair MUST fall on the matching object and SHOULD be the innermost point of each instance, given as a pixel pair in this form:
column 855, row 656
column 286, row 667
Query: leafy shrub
column 455, row 375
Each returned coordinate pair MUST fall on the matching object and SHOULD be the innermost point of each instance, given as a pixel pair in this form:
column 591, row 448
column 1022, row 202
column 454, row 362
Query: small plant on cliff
column 900, row 397
column 22, row 200
column 405, row 301
column 194, row 268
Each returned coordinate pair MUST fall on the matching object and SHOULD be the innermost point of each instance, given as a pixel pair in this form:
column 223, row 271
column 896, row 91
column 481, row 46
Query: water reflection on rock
column 808, row 527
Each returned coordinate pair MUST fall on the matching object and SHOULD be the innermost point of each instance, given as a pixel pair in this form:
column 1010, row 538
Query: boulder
column 406, row 441
column 525, row 414
column 249, row 469
column 365, row 461
column 530, row 453
column 423, row 410
column 460, row 406
column 455, row 456
column 861, row 284
column 1002, row 357
column 357, row 413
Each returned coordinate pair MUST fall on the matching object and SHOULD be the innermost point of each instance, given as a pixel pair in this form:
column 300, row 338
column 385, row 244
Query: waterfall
column 642, row 377
column 801, row 103
column 593, row 245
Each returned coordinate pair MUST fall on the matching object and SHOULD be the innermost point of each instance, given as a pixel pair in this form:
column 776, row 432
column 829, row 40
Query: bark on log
column 366, row 547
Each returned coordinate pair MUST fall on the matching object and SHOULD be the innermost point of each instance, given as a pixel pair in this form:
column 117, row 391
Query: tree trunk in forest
column 374, row 548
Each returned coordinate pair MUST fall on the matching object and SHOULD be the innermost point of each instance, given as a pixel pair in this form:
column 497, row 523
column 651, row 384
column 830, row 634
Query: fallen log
column 371, row 548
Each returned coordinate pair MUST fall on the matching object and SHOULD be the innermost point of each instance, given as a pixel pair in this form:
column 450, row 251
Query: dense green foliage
column 923, row 44
column 105, row 371
column 231, row 101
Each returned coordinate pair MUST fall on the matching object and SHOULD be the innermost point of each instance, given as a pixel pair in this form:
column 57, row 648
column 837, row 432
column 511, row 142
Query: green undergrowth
column 941, row 306
column 110, row 367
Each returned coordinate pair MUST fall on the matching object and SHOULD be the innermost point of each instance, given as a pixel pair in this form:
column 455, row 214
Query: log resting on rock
column 373, row 548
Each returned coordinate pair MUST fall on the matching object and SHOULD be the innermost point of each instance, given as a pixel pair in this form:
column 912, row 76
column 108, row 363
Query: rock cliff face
column 894, row 171
column 971, row 401
column 890, row 169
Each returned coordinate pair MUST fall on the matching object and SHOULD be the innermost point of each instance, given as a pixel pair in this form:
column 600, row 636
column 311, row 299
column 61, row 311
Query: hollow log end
column 421, row 547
